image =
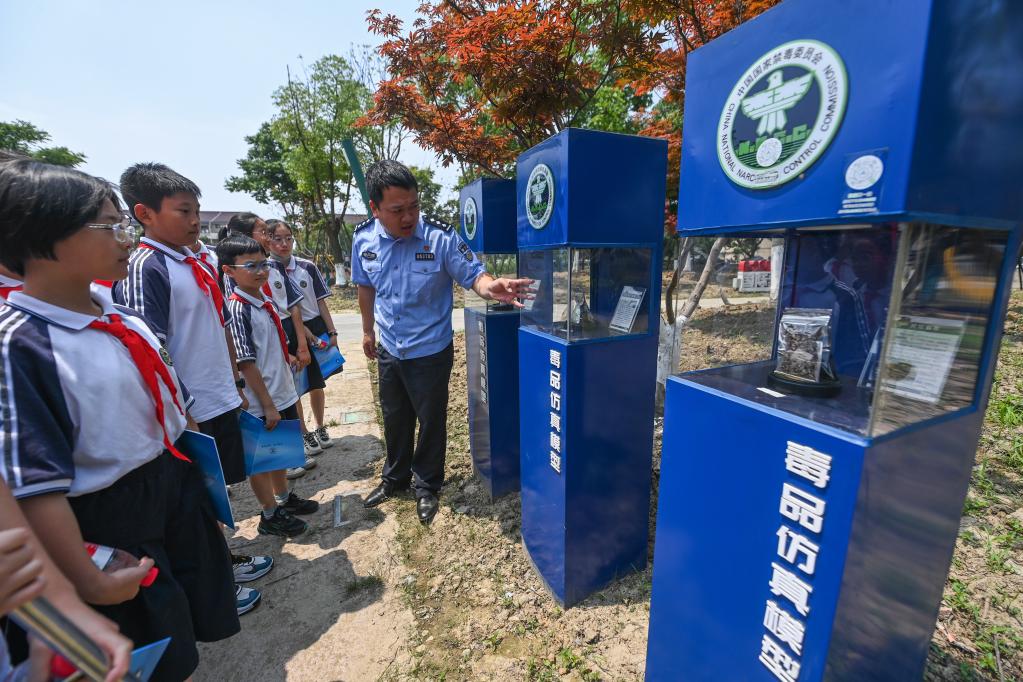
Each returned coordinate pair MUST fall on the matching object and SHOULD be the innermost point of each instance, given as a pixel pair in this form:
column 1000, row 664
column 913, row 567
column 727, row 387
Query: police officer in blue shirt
column 404, row 267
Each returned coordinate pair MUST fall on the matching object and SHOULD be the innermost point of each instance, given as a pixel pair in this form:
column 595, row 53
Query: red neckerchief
column 6, row 291
column 204, row 279
column 271, row 310
column 149, row 365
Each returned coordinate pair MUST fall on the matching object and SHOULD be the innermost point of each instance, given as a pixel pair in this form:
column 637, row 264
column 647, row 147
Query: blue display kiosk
column 810, row 500
column 491, row 331
column 590, row 222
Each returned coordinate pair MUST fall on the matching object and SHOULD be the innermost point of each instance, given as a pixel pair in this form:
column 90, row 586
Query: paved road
column 349, row 325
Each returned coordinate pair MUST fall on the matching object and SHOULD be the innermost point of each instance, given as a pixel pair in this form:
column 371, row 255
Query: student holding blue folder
column 261, row 349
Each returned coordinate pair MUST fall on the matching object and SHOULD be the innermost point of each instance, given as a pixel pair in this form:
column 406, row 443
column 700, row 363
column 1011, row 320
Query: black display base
column 823, row 389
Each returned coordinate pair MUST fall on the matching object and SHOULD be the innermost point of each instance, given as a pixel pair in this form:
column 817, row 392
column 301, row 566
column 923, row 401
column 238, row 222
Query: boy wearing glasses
column 261, row 349
column 316, row 319
column 90, row 413
column 180, row 299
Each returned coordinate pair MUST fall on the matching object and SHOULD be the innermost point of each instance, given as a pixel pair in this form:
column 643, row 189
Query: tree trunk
column 701, row 285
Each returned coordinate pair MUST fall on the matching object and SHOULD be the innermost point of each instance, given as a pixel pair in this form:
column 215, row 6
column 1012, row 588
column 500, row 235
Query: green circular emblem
column 165, row 356
column 782, row 114
column 469, row 218
column 540, row 196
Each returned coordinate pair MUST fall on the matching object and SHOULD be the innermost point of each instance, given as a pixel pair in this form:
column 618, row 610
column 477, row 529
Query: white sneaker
column 249, row 568
column 246, row 598
column 310, row 463
column 312, row 446
column 295, row 472
column 324, row 438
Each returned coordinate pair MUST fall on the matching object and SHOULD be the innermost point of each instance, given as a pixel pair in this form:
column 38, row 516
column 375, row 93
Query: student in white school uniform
column 286, row 296
column 91, row 410
column 316, row 319
column 261, row 349
column 180, row 300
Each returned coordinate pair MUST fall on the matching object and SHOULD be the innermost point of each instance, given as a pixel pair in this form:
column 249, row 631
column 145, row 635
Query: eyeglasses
column 124, row 231
column 283, row 240
column 255, row 266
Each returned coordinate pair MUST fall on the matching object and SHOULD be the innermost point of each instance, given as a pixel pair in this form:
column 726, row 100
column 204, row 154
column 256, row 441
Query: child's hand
column 303, row 355
column 245, row 401
column 273, row 418
column 293, row 362
column 21, row 572
column 123, row 584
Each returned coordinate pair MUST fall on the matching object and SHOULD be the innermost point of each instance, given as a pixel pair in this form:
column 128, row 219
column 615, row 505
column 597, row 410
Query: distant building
column 211, row 222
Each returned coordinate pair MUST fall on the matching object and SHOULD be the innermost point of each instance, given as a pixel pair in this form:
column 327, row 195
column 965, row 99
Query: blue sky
column 178, row 82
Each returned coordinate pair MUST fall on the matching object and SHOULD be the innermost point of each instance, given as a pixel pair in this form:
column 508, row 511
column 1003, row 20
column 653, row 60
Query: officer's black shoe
column 378, row 495
column 427, row 506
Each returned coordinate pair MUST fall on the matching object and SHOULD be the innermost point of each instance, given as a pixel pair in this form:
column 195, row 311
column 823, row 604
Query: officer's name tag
column 369, row 255
column 426, row 256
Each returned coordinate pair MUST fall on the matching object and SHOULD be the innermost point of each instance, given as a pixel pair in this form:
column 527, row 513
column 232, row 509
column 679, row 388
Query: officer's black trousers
column 410, row 390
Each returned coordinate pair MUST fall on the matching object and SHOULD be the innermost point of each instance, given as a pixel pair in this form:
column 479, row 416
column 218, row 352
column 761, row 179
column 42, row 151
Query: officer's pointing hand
column 510, row 291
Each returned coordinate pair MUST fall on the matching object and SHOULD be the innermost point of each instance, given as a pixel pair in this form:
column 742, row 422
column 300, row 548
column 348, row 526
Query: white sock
column 268, row 513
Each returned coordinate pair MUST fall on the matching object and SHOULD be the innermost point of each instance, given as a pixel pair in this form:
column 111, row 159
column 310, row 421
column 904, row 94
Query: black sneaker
column 296, row 505
column 281, row 523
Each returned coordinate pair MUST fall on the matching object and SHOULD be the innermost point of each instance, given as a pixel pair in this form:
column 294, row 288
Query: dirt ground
column 331, row 608
column 386, row 598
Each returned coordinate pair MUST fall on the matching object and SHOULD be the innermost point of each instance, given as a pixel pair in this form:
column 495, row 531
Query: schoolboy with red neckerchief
column 180, row 299
column 261, row 348
column 91, row 411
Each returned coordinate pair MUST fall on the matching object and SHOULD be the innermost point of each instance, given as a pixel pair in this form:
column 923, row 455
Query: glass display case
column 498, row 265
column 588, row 293
column 906, row 305
column 588, row 353
column 818, row 446
column 491, row 337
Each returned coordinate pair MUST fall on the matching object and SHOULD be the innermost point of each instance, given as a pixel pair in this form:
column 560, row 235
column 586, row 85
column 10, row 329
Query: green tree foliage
column 24, row 138
column 264, row 175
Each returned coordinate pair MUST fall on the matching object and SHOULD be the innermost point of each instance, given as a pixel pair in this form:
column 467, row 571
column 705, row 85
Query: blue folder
column 144, row 659
column 265, row 450
column 329, row 359
column 202, row 450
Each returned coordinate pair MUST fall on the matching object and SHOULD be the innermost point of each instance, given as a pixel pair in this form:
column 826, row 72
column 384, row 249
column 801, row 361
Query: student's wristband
column 332, row 333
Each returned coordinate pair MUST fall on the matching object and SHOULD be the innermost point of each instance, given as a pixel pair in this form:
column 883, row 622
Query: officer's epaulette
column 438, row 223
column 365, row 223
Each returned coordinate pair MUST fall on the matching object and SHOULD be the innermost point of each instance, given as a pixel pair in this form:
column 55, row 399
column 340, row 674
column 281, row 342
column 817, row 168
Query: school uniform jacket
column 255, row 338
column 75, row 413
column 161, row 287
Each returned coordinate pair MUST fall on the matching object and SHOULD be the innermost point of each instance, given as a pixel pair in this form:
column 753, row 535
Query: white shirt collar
column 176, row 255
column 62, row 317
column 9, row 282
column 250, row 299
column 291, row 264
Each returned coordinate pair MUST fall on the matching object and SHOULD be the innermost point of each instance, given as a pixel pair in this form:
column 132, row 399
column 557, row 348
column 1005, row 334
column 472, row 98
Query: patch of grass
column 997, row 558
column 1014, row 457
column 1007, row 411
column 363, row 583
column 960, row 600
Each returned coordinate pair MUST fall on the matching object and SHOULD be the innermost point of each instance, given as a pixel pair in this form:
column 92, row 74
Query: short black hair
column 150, row 183
column 42, row 204
column 388, row 173
column 274, row 223
column 236, row 245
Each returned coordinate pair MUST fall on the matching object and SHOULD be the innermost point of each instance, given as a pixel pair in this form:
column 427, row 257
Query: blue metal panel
column 543, row 489
column 588, row 524
column 903, row 536
column 494, row 201
column 594, row 204
column 493, row 435
column 968, row 158
column 881, row 43
column 722, row 472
